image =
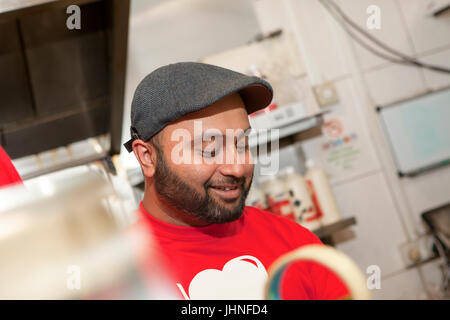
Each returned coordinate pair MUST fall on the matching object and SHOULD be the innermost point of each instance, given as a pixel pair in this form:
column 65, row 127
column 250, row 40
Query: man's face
column 213, row 187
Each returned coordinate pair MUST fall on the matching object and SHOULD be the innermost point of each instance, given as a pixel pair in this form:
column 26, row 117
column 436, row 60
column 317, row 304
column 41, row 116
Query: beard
column 200, row 205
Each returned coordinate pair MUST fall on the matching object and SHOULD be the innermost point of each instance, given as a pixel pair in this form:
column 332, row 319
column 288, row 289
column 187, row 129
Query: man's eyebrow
column 246, row 131
column 199, row 139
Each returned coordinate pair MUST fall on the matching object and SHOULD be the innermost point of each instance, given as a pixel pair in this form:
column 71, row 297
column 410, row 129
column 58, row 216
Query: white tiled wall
column 407, row 285
column 322, row 48
column 270, row 15
column 349, row 97
column 392, row 29
column 378, row 232
column 428, row 33
column 437, row 80
column 402, row 286
column 349, row 112
column 393, row 83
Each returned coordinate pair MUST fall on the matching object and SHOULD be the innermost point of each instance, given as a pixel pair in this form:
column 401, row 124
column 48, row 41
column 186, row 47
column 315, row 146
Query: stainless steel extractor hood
column 58, row 86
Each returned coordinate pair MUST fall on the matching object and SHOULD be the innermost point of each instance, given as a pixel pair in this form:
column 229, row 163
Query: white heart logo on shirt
column 239, row 279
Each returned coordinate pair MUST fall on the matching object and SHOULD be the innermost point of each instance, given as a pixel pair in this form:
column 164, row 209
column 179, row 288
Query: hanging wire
column 398, row 57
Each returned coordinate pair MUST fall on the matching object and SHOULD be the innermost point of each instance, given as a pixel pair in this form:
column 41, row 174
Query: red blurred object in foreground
column 8, row 173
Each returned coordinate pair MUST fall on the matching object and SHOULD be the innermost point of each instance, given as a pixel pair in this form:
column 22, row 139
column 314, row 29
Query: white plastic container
column 322, row 194
column 301, row 200
column 256, row 198
column 278, row 197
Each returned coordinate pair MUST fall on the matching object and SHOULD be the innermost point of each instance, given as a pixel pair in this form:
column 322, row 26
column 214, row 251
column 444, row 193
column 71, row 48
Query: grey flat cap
column 172, row 91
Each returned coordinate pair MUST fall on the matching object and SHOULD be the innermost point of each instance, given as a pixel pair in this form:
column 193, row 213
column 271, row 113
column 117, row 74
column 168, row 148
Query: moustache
column 227, row 181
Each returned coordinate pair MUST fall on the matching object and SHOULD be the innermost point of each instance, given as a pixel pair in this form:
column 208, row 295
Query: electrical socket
column 326, row 94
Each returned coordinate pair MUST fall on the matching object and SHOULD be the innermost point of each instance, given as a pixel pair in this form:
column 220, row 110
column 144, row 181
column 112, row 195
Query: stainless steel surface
column 65, row 165
column 66, row 67
column 16, row 101
column 11, row 5
column 65, row 239
column 60, row 86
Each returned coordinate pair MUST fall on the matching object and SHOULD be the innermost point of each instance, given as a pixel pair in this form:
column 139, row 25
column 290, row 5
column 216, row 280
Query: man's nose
column 235, row 169
column 234, row 163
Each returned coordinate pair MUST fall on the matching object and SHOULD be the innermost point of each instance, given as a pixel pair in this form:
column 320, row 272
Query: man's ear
column 146, row 155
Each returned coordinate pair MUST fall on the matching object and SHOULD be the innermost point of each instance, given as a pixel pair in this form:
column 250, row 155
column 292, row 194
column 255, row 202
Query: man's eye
column 208, row 154
column 242, row 148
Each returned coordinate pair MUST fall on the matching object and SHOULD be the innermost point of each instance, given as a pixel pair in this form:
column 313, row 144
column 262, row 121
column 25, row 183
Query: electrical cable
column 361, row 42
column 343, row 20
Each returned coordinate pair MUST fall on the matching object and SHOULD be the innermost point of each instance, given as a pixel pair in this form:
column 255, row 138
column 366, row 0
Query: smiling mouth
column 228, row 192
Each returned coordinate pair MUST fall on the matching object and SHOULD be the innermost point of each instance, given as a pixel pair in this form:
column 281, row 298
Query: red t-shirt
column 230, row 261
column 8, row 174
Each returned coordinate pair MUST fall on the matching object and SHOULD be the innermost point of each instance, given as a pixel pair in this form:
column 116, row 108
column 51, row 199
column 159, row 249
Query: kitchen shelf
column 325, row 233
column 291, row 128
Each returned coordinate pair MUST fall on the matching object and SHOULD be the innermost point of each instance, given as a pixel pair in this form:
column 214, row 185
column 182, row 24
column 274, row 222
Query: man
column 214, row 246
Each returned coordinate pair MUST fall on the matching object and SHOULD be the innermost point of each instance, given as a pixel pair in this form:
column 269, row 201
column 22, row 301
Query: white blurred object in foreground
column 60, row 240
column 322, row 194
